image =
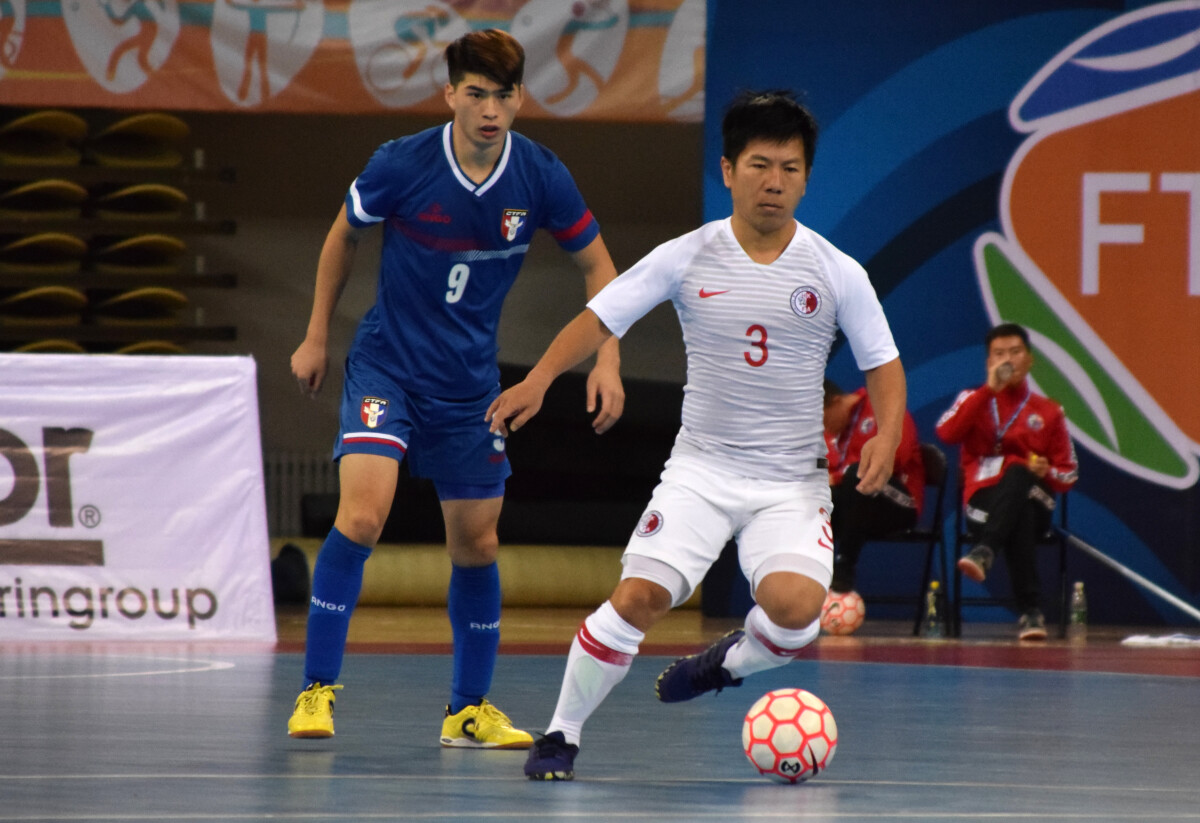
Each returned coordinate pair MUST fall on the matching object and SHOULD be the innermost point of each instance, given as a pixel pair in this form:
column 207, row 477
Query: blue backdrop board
column 1031, row 161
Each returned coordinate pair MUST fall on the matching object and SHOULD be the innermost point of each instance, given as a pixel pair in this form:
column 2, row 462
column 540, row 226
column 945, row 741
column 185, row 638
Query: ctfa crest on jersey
column 651, row 523
column 806, row 301
column 373, row 411
column 866, row 425
column 512, row 222
column 1035, row 422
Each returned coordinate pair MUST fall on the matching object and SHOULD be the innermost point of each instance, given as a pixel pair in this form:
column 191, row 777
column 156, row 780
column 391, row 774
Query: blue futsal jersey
column 451, row 251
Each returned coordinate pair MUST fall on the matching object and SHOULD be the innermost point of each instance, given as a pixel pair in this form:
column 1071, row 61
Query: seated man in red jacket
column 857, row 518
column 1016, row 453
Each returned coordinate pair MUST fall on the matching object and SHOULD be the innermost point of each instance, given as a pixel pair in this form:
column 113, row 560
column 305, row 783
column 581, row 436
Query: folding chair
column 928, row 532
column 1052, row 538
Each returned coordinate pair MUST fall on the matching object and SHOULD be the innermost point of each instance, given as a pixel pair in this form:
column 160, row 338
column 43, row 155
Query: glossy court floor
column 977, row 729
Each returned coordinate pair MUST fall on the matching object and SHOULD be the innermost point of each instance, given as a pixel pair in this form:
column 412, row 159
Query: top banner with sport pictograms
column 624, row 60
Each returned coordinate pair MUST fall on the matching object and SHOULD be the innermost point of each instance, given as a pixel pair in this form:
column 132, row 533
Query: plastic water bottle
column 933, row 625
column 1077, row 627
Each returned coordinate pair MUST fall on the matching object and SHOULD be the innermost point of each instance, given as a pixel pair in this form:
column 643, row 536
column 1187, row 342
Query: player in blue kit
column 459, row 204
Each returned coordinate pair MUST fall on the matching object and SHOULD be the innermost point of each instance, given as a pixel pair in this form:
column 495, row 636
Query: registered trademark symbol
column 89, row 516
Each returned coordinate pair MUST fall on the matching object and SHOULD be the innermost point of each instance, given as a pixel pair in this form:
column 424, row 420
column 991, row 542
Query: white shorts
column 696, row 508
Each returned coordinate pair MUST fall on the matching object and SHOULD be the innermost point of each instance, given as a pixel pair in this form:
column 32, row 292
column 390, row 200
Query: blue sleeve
column 568, row 218
column 374, row 194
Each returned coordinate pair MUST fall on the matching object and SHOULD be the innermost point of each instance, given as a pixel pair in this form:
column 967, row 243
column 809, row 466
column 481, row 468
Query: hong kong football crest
column 373, row 411
column 512, row 222
column 651, row 523
column 806, row 302
column 867, row 425
column 1035, row 422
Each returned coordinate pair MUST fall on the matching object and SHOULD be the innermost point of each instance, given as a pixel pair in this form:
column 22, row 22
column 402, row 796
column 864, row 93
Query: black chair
column 929, row 532
column 1055, row 537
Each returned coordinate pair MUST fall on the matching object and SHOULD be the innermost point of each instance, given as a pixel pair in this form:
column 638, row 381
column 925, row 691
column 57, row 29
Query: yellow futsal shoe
column 482, row 727
column 313, row 716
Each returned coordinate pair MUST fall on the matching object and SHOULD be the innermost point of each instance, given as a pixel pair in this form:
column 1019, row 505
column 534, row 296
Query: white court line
column 999, row 667
column 210, row 666
column 724, row 815
column 747, row 781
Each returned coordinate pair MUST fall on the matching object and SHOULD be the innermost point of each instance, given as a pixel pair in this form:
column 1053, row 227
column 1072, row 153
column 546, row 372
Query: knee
column 641, row 603
column 359, row 524
column 795, row 615
column 475, row 549
column 791, row 601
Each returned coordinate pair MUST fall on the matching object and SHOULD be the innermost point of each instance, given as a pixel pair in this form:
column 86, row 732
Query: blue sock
column 337, row 581
column 473, row 603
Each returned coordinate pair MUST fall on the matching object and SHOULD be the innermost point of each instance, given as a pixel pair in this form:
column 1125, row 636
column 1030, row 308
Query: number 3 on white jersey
column 758, row 344
column 457, row 282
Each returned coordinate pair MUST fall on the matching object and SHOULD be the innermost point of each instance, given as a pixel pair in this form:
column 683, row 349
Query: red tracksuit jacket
column 1027, row 423
column 846, row 449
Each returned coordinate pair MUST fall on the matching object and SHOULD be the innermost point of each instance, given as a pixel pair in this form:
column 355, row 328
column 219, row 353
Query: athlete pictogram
column 259, row 46
column 594, row 15
column 574, row 47
column 147, row 14
column 254, row 56
column 682, row 71
column 399, row 46
column 12, row 31
column 416, row 34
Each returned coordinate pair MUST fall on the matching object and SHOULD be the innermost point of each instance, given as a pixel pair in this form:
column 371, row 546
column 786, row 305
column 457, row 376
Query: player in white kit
column 760, row 298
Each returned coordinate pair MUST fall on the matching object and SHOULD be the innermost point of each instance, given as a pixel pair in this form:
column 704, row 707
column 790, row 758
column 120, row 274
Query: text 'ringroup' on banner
column 131, row 499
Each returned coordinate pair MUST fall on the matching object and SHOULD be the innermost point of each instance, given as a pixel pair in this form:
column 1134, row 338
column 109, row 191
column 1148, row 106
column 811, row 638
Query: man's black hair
column 1006, row 330
column 775, row 116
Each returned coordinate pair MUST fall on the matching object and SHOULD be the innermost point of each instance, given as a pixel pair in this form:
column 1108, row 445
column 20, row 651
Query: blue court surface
column 103, row 734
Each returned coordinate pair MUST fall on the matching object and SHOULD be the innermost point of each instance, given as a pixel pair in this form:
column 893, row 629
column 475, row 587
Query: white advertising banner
column 131, row 499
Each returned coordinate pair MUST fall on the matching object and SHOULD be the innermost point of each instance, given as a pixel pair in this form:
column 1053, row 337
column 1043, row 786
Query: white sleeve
column 859, row 313
column 652, row 280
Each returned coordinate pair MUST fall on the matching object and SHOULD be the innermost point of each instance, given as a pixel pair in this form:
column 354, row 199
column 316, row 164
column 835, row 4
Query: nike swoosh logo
column 707, row 293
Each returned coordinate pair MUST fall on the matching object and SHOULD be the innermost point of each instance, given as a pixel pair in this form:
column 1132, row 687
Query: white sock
column 767, row 646
column 600, row 657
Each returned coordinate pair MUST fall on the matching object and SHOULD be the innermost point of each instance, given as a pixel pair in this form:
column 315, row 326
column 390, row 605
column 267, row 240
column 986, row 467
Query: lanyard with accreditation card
column 990, row 466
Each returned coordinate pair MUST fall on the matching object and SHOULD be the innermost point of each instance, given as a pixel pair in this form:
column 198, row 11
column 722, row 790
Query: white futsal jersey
column 757, row 339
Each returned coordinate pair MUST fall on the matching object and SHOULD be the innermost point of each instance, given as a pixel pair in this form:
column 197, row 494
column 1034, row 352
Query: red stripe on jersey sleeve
column 563, row 235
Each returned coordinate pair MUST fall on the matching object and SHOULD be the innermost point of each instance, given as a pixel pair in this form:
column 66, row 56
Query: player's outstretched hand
column 875, row 466
column 514, row 407
column 605, row 383
column 310, row 362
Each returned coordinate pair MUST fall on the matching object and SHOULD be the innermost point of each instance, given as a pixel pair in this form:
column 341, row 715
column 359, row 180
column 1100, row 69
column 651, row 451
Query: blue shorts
column 446, row 441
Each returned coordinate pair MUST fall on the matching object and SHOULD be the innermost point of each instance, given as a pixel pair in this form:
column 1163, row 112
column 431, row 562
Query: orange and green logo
column 1100, row 251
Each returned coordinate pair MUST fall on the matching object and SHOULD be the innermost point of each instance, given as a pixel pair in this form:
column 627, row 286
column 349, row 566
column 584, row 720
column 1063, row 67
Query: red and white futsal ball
column 843, row 612
column 790, row 735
